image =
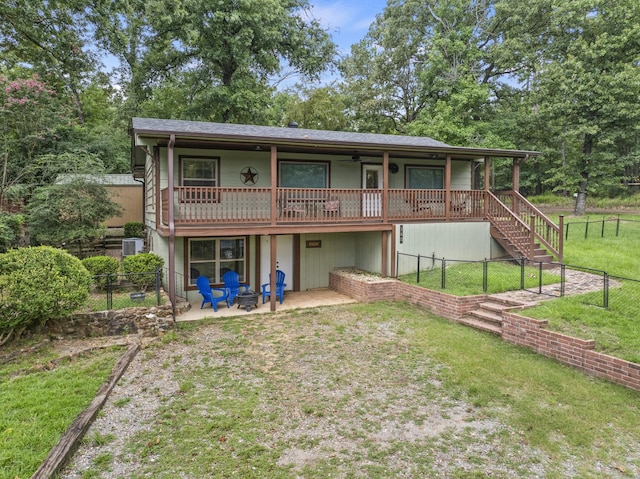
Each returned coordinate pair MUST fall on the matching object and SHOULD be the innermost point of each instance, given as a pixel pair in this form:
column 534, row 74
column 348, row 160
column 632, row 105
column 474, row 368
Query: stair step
column 487, row 316
column 495, row 306
column 481, row 325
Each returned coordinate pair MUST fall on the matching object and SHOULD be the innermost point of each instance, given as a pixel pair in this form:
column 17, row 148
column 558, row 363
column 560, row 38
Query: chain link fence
column 119, row 291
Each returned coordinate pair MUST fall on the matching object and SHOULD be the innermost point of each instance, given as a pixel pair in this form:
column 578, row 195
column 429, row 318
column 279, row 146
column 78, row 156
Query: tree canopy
column 549, row 75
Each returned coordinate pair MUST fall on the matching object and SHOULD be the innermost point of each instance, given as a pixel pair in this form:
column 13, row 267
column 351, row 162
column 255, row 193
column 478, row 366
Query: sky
column 347, row 20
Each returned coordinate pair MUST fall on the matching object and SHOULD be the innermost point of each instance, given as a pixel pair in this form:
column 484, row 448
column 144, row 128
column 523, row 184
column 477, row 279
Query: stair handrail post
column 532, row 235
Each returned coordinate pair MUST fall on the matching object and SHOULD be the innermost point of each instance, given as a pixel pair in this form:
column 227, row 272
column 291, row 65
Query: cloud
column 347, row 21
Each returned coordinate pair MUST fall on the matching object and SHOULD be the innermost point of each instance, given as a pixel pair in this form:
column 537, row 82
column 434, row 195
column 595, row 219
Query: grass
column 466, row 278
column 39, row 399
column 616, row 329
column 121, row 300
column 297, row 395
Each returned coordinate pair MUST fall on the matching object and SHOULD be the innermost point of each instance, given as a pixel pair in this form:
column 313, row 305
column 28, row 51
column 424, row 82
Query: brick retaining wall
column 579, row 353
column 516, row 329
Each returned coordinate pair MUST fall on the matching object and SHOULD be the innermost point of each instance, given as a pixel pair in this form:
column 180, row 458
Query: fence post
column 444, row 275
column 522, row 259
column 566, row 235
column 606, row 290
column 618, row 225
column 602, row 232
column 485, row 275
column 158, row 273
column 562, row 278
column 418, row 273
column 560, row 241
column 109, row 293
column 586, row 228
column 540, row 277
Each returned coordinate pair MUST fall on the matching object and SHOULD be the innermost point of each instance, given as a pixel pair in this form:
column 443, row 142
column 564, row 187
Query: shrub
column 138, row 267
column 104, row 269
column 38, row 284
column 133, row 230
column 10, row 230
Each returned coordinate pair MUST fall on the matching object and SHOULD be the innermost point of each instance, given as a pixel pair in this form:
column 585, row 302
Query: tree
column 52, row 37
column 70, row 212
column 424, row 61
column 236, row 48
column 586, row 82
column 320, row 108
column 33, row 118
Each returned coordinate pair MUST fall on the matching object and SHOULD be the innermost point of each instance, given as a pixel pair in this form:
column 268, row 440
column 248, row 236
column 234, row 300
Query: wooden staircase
column 488, row 316
column 539, row 240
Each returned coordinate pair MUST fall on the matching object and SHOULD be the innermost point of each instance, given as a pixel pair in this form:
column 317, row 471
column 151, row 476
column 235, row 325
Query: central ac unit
column 132, row 246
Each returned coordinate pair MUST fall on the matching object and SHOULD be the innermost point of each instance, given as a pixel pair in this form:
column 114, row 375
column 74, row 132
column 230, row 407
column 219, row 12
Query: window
column 424, row 178
column 295, row 174
column 200, row 172
column 213, row 257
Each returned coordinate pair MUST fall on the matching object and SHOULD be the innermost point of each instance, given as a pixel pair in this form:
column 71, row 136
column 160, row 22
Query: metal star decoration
column 249, row 176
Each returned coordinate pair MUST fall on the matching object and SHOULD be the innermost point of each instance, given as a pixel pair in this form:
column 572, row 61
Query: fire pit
column 247, row 299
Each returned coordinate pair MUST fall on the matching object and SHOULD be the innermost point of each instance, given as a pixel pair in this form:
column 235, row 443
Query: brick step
column 481, row 325
column 487, row 316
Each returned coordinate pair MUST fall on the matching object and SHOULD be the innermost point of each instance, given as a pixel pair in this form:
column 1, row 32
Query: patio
column 292, row 300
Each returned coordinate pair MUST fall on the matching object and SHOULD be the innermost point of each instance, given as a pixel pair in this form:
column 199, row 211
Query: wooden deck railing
column 510, row 225
column 546, row 231
column 220, row 206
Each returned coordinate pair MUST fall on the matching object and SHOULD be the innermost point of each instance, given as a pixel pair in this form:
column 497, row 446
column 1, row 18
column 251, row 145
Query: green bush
column 104, row 269
column 134, row 230
column 137, row 265
column 38, row 284
column 10, row 230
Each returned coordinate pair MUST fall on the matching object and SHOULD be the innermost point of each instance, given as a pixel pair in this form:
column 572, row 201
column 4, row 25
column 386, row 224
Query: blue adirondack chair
column 280, row 285
column 208, row 293
column 233, row 285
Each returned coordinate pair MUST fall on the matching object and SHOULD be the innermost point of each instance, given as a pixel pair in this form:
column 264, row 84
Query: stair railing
column 509, row 225
column 546, row 231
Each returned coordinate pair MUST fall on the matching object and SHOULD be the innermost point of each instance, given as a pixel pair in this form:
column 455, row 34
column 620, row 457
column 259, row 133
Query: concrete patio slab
column 292, row 300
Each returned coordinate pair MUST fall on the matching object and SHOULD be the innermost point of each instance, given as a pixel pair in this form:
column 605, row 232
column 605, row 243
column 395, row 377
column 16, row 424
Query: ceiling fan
column 355, row 158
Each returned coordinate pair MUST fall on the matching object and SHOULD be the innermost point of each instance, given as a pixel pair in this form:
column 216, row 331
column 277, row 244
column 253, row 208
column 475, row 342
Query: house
column 254, row 199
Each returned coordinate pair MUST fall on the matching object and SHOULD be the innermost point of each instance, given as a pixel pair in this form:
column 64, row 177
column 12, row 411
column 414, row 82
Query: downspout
column 142, row 182
column 172, row 230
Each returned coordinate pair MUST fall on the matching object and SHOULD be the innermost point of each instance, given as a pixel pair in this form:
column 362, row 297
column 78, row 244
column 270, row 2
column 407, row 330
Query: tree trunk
column 581, row 199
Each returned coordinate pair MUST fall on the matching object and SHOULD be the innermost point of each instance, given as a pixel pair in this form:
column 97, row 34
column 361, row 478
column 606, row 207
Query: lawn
column 616, row 329
column 40, row 396
column 368, row 390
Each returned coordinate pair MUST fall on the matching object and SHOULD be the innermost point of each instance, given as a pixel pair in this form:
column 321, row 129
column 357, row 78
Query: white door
column 284, row 258
column 372, row 196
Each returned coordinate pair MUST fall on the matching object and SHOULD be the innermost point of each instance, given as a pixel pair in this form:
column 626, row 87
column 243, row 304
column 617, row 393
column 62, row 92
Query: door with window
column 372, row 186
column 284, row 258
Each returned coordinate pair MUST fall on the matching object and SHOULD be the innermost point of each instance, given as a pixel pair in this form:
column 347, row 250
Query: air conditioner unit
column 132, row 246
